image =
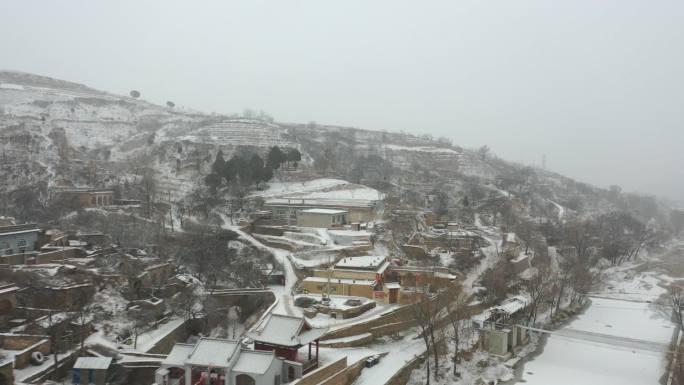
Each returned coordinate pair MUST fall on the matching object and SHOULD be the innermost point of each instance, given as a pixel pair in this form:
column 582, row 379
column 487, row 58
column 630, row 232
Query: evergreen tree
column 294, row 156
column 219, row 164
column 275, row 158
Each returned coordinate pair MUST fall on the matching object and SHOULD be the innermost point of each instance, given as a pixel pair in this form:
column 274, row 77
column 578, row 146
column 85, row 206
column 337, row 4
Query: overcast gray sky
column 596, row 85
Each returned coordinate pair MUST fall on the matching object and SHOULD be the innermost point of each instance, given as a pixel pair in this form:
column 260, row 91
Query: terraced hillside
column 53, row 129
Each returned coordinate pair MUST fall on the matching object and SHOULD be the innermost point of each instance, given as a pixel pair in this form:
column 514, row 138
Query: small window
column 21, row 245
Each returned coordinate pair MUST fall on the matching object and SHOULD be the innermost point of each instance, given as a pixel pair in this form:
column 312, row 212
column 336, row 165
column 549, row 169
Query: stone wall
column 25, row 345
column 346, row 376
column 337, row 373
column 399, row 315
column 56, row 255
column 414, row 252
column 59, row 297
column 362, row 340
column 165, row 344
column 317, row 376
column 392, row 328
column 402, row 376
column 6, row 371
column 278, row 245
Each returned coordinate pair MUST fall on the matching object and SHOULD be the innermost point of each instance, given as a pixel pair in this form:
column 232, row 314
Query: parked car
column 372, row 361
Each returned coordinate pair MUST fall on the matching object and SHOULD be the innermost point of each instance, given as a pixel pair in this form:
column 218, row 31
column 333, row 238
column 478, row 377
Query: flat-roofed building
column 354, row 276
column 323, row 218
column 91, row 370
column 18, row 239
column 86, row 197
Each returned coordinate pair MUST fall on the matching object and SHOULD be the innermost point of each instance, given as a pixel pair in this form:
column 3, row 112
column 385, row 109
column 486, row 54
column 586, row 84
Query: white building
column 219, row 362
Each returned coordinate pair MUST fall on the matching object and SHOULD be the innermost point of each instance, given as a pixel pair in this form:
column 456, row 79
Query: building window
column 21, row 245
column 5, row 248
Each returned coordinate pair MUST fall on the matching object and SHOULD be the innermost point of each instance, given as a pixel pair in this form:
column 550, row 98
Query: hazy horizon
column 596, row 87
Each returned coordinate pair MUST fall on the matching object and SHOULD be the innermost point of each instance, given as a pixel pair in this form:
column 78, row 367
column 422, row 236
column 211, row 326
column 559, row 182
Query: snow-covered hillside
column 53, row 129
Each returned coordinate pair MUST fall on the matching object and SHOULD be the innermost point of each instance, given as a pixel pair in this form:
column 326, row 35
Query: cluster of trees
column 617, row 236
column 442, row 317
column 248, row 169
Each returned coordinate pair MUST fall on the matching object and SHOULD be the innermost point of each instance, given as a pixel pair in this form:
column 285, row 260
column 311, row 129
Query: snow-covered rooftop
column 363, row 262
column 178, row 355
column 323, row 211
column 254, row 361
column 93, row 363
column 212, row 352
column 341, row 280
column 319, row 202
column 285, row 331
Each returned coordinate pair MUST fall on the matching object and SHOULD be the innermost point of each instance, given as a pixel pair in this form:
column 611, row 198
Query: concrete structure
column 324, row 218
column 285, row 335
column 91, row 370
column 220, row 362
column 18, row 239
column 499, row 330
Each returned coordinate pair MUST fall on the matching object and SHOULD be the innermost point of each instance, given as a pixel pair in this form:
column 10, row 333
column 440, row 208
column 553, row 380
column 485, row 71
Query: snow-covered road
column 285, row 303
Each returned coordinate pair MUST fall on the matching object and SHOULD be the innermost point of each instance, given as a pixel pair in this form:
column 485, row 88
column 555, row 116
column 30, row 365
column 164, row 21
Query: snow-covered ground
column 607, row 359
column 148, row 340
column 426, row 149
column 561, row 210
column 399, row 353
column 276, row 189
column 284, row 300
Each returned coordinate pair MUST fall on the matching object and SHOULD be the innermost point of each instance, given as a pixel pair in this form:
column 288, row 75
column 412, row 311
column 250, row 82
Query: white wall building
column 219, row 362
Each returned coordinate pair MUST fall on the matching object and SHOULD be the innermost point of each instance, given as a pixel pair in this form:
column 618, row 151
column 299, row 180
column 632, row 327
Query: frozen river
column 584, row 360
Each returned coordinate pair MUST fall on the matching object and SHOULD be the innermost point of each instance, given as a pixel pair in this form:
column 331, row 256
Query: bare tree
column 580, row 235
column 423, row 317
column 538, row 288
column 457, row 312
column 671, row 304
column 426, row 309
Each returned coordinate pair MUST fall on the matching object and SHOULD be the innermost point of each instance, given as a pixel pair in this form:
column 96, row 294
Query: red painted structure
column 285, row 335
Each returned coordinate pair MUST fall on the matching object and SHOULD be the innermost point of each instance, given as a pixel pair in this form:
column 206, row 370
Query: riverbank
column 540, row 340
